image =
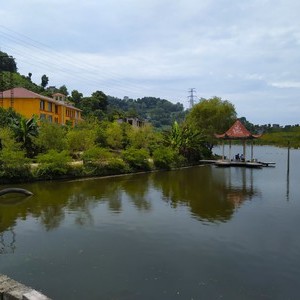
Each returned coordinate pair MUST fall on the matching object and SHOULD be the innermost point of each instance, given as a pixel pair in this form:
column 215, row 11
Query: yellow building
column 28, row 103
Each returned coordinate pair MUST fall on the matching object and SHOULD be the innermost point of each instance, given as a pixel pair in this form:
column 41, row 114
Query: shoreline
column 70, row 178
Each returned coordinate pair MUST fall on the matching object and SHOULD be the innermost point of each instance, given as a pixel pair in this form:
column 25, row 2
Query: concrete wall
column 13, row 290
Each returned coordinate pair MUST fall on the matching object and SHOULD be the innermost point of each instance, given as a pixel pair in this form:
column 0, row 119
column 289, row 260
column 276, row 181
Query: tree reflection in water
column 51, row 200
column 211, row 194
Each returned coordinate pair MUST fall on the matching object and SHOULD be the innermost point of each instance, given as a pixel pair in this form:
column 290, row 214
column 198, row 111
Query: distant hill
column 11, row 80
column 160, row 112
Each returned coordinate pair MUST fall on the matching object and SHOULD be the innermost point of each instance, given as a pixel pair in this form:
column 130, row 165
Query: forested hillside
column 160, row 113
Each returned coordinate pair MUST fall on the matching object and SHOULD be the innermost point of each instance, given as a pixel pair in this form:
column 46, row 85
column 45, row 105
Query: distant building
column 275, row 126
column 135, row 122
column 28, row 103
column 59, row 97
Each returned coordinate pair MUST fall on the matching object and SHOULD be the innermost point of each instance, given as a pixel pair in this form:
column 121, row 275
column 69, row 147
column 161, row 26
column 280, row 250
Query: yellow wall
column 26, row 107
column 29, row 107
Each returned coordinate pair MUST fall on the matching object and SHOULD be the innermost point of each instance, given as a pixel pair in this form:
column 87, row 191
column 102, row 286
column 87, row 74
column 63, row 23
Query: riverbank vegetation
column 38, row 150
column 282, row 137
column 104, row 143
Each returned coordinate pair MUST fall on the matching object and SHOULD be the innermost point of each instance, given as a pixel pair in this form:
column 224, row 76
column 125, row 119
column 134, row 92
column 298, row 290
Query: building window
column 42, row 116
column 56, row 109
column 50, row 119
column 50, row 106
column 42, row 105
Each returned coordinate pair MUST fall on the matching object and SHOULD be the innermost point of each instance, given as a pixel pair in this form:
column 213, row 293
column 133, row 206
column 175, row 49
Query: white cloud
column 286, row 84
column 244, row 51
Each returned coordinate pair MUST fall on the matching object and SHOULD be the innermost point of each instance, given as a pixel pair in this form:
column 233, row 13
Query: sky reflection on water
column 195, row 233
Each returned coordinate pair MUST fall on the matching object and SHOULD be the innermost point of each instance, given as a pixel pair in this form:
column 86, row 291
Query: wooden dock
column 236, row 163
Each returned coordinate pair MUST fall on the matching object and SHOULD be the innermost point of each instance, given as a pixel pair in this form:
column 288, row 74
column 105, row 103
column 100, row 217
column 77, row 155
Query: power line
column 192, row 97
column 48, row 52
column 34, row 53
column 67, row 67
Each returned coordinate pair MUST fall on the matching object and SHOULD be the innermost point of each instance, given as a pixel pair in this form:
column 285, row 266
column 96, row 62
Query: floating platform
column 224, row 163
column 236, row 163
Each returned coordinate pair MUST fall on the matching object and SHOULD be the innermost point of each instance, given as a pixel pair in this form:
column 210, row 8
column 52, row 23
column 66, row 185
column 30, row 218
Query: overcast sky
column 244, row 51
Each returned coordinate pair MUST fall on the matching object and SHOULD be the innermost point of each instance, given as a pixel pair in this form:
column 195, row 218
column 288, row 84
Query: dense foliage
column 160, row 112
column 33, row 150
column 7, row 63
column 211, row 116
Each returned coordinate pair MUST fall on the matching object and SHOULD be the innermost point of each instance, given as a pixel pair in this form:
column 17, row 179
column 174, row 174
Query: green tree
column 144, row 137
column 52, row 164
column 96, row 105
column 163, row 157
column 211, row 116
column 101, row 100
column 7, row 63
column 136, row 158
column 80, row 139
column 115, row 136
column 13, row 163
column 96, row 154
column 76, row 97
column 63, row 90
column 248, row 125
column 44, row 81
column 51, row 136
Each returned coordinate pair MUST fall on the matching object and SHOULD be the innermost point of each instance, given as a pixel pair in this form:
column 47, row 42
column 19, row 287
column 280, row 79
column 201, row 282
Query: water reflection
column 52, row 200
column 137, row 188
column 288, row 176
column 7, row 241
column 211, row 195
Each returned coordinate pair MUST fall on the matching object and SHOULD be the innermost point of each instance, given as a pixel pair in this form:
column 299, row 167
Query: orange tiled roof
column 237, row 131
column 22, row 93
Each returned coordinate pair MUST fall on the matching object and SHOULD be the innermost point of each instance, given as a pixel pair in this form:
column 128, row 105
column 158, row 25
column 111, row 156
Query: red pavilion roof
column 237, row 131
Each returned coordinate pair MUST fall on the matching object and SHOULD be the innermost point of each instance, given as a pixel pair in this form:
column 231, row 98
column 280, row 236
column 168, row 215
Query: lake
column 195, row 233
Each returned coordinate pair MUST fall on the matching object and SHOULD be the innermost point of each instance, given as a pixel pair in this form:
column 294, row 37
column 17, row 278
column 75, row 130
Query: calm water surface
column 196, row 233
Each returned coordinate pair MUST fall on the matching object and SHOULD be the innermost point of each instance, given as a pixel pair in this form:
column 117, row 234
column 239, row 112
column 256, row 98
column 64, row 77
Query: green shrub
column 53, row 164
column 76, row 170
column 163, row 158
column 96, row 154
column 179, row 161
column 111, row 166
column 80, row 139
column 117, row 166
column 137, row 159
column 14, row 166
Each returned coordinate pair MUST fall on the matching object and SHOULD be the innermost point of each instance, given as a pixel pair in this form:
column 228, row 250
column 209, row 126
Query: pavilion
column 238, row 132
